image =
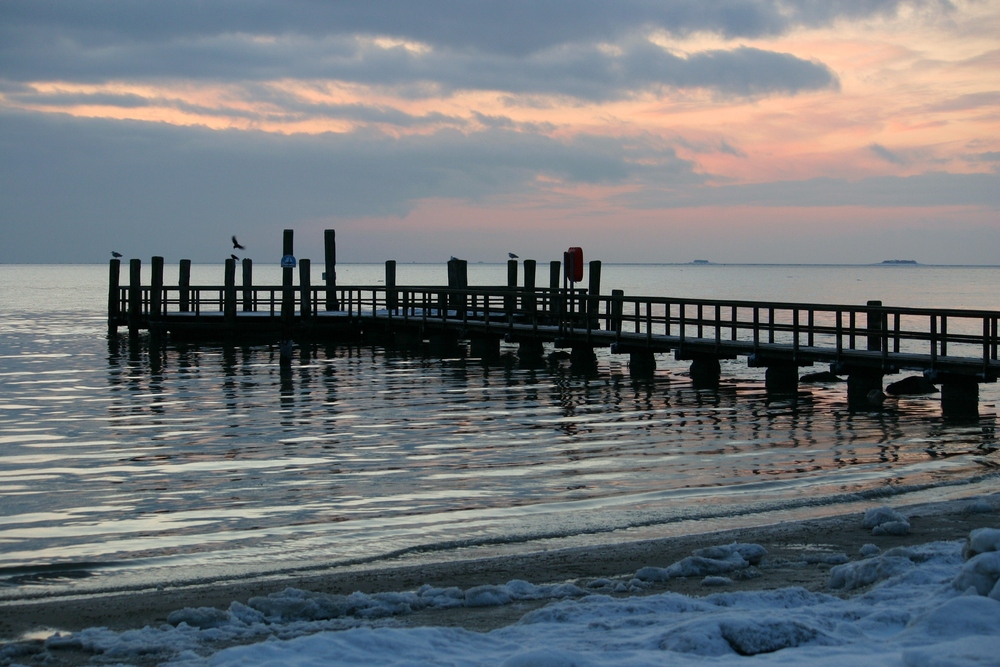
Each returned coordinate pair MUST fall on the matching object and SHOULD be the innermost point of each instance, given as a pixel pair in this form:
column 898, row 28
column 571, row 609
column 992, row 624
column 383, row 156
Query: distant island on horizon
column 899, row 261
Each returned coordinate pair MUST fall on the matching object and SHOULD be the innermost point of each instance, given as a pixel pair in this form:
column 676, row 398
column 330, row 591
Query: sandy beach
column 794, row 558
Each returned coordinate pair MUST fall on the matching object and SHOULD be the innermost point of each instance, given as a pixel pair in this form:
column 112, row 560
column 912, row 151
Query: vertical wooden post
column 229, row 293
column 593, row 292
column 391, row 295
column 617, row 308
column 330, row 252
column 248, row 300
column 184, row 283
column 287, row 278
column 134, row 296
column 510, row 302
column 555, row 272
column 458, row 278
column 156, row 289
column 114, row 296
column 305, row 289
column 528, row 304
column 874, row 326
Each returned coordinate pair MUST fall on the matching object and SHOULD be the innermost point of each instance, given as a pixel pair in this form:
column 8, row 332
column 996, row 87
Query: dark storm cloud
column 583, row 71
column 518, row 46
column 513, row 27
column 71, row 187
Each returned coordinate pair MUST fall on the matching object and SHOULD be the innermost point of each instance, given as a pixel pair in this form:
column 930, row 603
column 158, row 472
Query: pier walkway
column 954, row 348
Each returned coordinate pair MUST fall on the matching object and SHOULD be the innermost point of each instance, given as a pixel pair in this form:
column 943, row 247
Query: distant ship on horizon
column 701, row 261
column 899, row 261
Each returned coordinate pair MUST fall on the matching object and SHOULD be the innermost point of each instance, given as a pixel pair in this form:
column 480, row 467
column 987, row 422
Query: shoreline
column 787, row 564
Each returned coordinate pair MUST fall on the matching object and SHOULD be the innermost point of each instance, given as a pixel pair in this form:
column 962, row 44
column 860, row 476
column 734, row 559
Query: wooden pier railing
column 953, row 347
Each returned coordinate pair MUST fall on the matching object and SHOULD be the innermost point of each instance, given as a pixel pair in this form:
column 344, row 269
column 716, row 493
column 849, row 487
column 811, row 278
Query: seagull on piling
column 235, row 258
column 236, row 244
column 116, row 254
column 512, row 255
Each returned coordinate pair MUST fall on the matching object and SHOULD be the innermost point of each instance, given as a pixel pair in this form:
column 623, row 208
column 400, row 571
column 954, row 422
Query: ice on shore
column 885, row 521
column 924, row 605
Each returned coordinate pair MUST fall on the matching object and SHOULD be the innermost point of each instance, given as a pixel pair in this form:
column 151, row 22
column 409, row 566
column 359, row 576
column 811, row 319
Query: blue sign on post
column 288, row 262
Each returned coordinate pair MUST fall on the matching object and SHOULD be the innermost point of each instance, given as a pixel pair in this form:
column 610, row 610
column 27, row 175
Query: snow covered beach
column 824, row 592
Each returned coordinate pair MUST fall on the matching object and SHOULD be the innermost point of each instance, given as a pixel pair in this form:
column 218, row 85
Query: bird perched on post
column 512, row 255
column 116, row 254
column 235, row 258
column 236, row 244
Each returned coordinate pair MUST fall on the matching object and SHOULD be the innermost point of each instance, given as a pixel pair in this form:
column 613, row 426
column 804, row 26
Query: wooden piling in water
column 134, row 296
column 305, row 288
column 593, row 293
column 391, row 295
column 458, row 278
column 287, row 278
column 229, row 292
column 528, row 303
column 184, row 286
column 114, row 296
column 156, row 289
column 248, row 304
column 330, row 268
column 510, row 302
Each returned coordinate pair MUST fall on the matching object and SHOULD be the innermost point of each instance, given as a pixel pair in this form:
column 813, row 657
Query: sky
column 729, row 130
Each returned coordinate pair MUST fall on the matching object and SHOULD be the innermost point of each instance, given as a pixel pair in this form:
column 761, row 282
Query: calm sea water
column 122, row 466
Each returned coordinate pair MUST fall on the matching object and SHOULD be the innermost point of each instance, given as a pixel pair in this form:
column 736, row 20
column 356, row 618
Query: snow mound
column 707, row 562
column 981, row 541
column 981, row 572
column 886, row 521
column 869, row 550
column 716, row 581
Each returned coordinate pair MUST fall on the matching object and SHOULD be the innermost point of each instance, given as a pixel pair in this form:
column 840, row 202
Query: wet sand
column 793, row 549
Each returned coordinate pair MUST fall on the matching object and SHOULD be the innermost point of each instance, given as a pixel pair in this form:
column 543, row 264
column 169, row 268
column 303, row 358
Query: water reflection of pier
column 956, row 349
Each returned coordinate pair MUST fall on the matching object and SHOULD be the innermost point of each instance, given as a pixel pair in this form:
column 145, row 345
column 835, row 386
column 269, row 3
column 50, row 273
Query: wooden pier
column 954, row 348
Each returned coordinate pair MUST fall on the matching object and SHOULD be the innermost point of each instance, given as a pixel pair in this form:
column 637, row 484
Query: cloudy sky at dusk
column 733, row 130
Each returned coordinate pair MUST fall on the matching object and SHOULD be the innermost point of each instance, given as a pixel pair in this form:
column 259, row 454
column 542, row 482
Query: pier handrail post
column 874, row 316
column 593, row 293
column 391, row 295
column 528, row 303
column 305, row 289
column 287, row 279
column 249, row 302
column 555, row 275
column 114, row 296
column 617, row 310
column 134, row 296
column 510, row 301
column 156, row 288
column 229, row 294
column 184, row 286
column 330, row 255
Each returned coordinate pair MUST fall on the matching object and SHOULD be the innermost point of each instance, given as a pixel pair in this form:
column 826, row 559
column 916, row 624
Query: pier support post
column 510, row 302
column 114, row 296
column 959, row 397
column 641, row 364
column 391, row 295
column 458, row 278
column 156, row 289
column 330, row 273
column 305, row 288
column 287, row 279
column 443, row 344
column 134, row 296
column 248, row 294
column 184, row 285
column 486, row 348
column 528, row 303
column 593, row 292
column 229, row 293
column 875, row 327
column 864, row 388
column 781, row 379
column 705, row 372
column 530, row 349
